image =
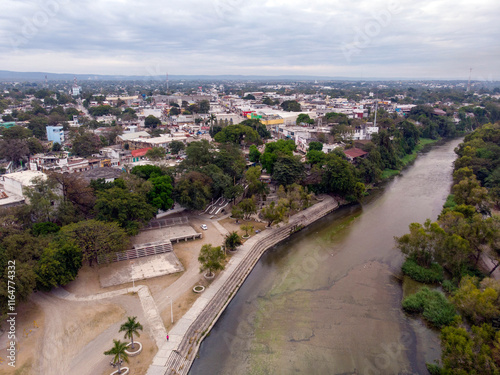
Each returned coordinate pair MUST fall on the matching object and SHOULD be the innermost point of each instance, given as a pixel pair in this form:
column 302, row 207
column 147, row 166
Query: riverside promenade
column 176, row 355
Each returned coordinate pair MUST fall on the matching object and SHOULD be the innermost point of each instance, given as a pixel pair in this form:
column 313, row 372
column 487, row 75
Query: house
column 7, row 125
column 161, row 141
column 140, row 154
column 108, row 174
column 55, row 134
column 124, row 138
column 439, row 112
column 15, row 183
column 354, row 153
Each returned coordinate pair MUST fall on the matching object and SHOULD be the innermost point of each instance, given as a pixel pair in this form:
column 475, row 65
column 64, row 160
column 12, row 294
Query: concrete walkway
column 177, row 355
column 220, row 228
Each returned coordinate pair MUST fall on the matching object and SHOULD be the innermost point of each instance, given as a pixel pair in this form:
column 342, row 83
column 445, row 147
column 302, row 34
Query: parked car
column 204, row 226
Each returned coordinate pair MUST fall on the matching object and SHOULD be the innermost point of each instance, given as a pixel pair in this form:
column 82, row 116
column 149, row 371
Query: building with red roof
column 354, row 153
column 140, row 153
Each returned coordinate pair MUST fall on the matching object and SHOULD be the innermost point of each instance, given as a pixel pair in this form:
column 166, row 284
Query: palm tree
column 232, row 241
column 119, row 352
column 131, row 328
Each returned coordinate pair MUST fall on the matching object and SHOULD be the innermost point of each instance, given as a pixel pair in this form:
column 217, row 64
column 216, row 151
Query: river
column 327, row 301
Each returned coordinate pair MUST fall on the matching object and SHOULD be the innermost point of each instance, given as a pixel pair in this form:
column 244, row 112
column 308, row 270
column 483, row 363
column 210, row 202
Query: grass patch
column 450, row 202
column 433, row 306
column 407, row 159
column 388, row 173
column 421, row 274
column 422, row 142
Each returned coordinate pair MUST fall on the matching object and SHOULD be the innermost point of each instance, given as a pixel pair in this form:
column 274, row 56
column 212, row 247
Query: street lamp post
column 171, row 311
column 133, row 279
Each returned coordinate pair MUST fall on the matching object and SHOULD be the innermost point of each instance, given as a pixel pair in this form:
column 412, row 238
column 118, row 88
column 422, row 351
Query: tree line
column 449, row 252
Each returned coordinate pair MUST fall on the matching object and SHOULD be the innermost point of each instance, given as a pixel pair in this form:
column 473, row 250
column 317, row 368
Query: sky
column 436, row 39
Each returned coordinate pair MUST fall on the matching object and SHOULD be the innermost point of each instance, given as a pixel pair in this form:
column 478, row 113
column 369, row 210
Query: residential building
column 55, row 134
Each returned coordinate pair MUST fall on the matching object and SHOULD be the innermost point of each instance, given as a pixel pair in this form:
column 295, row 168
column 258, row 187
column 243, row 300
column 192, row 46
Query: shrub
column 449, row 286
column 433, row 305
column 438, row 311
column 414, row 303
column 422, row 274
column 433, row 369
column 42, row 229
column 450, row 202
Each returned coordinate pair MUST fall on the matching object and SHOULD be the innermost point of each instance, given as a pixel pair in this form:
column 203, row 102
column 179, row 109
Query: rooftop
column 140, row 152
column 104, row 172
column 25, row 177
column 354, row 153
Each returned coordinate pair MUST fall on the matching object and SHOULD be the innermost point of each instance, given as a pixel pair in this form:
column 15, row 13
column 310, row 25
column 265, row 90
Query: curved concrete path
column 156, row 327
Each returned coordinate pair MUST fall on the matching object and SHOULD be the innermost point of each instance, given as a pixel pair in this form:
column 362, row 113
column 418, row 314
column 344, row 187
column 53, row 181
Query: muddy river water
column 327, row 301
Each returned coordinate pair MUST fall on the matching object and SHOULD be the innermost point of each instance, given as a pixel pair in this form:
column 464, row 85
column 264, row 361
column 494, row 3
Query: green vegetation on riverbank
column 464, row 234
column 408, row 158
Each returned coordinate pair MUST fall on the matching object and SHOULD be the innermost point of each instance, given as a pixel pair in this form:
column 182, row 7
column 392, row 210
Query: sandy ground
column 72, row 336
column 30, row 316
column 231, row 226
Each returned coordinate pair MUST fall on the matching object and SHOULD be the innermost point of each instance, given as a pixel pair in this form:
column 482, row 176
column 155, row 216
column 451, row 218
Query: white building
column 15, row 183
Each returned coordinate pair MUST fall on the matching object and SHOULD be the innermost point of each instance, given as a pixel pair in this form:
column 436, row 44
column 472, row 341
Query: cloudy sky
column 356, row 38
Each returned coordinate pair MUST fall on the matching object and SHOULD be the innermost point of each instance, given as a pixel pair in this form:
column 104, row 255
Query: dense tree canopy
column 152, row 122
column 274, row 150
column 95, row 238
column 291, row 106
column 85, row 143
column 238, row 134
column 193, row 190
column 128, row 208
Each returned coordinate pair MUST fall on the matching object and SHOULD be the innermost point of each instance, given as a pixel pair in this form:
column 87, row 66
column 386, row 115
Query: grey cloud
column 197, row 36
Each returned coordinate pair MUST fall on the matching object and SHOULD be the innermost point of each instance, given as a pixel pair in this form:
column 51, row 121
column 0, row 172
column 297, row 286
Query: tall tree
column 131, row 328
column 160, row 196
column 85, row 143
column 156, row 153
column 211, row 259
column 119, row 353
column 128, row 208
column 288, row 170
column 193, row 190
column 273, row 213
column 58, row 265
column 152, row 122
column 176, row 147
column 95, row 238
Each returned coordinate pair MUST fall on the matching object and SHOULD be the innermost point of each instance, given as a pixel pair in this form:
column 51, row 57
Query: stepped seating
column 138, row 251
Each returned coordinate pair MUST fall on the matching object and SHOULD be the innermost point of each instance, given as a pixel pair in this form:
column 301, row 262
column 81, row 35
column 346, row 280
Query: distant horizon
column 31, row 75
column 390, row 39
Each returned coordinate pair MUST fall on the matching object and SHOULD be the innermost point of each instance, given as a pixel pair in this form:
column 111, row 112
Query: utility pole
column 468, row 84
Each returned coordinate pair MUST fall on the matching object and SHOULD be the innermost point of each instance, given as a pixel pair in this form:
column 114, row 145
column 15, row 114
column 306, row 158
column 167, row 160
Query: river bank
column 327, row 301
column 179, row 351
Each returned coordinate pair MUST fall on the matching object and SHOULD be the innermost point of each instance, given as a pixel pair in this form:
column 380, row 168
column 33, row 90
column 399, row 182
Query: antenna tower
column 468, row 84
